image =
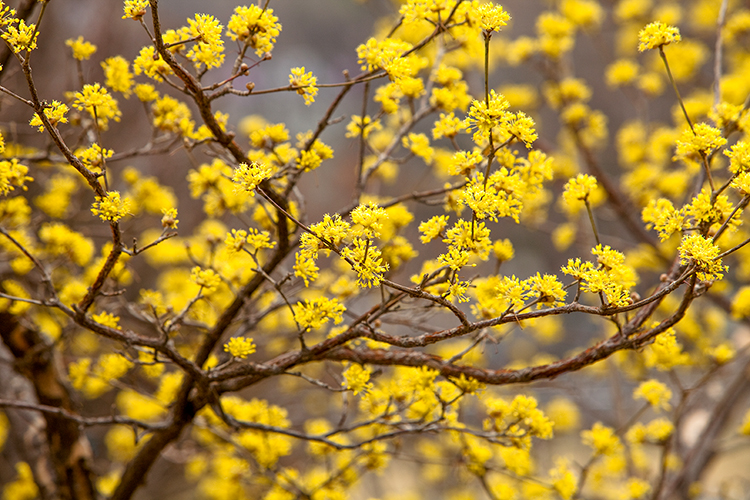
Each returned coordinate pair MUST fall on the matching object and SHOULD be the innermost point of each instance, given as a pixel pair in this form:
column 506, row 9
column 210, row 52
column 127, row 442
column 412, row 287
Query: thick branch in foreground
column 70, row 451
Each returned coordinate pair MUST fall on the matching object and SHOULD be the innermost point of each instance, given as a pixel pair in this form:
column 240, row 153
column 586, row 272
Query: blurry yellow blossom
column 13, row 175
column 205, row 278
column 362, row 126
column 118, row 75
column 23, row 487
column 82, row 50
column 665, row 353
column 655, row 393
column 602, row 440
column 357, row 378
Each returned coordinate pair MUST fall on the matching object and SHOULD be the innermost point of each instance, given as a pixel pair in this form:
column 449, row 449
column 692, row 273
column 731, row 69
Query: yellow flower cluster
column 209, row 49
column 367, row 261
column 656, row 35
column 61, row 240
column 602, row 440
column 207, row 279
column 357, row 378
column 248, row 177
column 315, row 313
column 118, row 76
column 612, row 277
column 82, row 50
column 655, row 393
column 151, row 64
column 112, row 207
column 253, row 238
column 389, row 55
column 97, row 101
column 95, row 381
column 255, row 27
column 134, row 9
column 304, row 84
column 492, row 17
column 13, row 175
column 665, row 353
column 520, row 418
column 702, row 139
column 704, row 254
column 55, row 113
column 20, row 36
column 240, row 347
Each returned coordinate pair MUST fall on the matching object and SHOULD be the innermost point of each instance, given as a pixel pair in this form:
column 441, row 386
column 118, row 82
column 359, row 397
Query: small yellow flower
column 577, row 190
column 240, row 347
column 369, row 220
column 205, row 278
column 602, row 440
column 316, row 313
column 146, row 92
column 432, row 228
column 419, row 144
column 22, row 37
column 367, row 262
column 209, row 49
column 169, row 218
column 357, row 379
column 656, row 393
column 12, row 175
column 492, row 17
column 151, row 64
column 248, row 177
column 259, row 239
column 503, row 250
column 99, row 103
column 55, row 113
column 657, row 35
column 447, row 126
column 118, row 75
column 82, row 50
column 563, row 480
column 739, row 157
column 254, row 26
column 705, row 254
column 703, row 138
column 112, row 207
column 134, row 9
column 362, row 126
column 107, row 319
column 304, row 84
column 622, row 72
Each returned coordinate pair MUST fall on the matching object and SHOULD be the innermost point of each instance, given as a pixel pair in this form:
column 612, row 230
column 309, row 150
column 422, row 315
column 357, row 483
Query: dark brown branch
column 80, row 420
column 70, row 452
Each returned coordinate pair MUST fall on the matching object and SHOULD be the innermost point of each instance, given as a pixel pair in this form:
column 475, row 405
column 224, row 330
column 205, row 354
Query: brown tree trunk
column 70, row 452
